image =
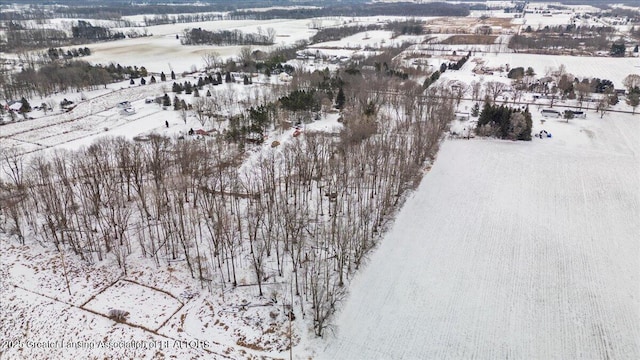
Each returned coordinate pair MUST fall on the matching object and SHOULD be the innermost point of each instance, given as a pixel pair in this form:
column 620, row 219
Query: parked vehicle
column 128, row 111
column 579, row 114
column 551, row 113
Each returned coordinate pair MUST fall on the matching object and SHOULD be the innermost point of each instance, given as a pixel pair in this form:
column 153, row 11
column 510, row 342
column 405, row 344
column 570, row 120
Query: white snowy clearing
column 525, row 250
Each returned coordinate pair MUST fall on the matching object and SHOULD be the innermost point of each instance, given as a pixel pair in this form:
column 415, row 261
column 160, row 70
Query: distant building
column 462, row 116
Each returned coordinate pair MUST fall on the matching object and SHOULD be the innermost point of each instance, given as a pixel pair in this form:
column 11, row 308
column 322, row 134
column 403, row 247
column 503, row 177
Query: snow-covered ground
column 98, row 115
column 163, row 51
column 523, row 250
column 374, row 38
column 166, row 316
column 539, row 21
column 520, row 250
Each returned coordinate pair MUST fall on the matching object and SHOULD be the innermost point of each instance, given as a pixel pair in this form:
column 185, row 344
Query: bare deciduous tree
column 211, row 60
column 631, row 81
column 494, row 89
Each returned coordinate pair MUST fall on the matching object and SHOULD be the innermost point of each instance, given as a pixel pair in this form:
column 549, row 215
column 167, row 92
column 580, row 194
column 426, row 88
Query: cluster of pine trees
column 301, row 100
column 504, row 122
column 56, row 54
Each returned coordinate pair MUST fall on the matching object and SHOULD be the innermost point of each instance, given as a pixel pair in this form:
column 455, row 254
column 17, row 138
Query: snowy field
column 522, row 250
column 167, row 316
column 373, row 38
column 163, row 51
column 136, row 298
column 539, row 21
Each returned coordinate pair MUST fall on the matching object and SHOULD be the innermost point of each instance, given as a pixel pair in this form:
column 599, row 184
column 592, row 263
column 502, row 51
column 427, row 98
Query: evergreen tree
column 131, row 82
column 259, row 119
column 143, row 81
column 135, row 73
column 176, row 88
column 173, row 75
column 246, row 80
column 227, row 78
column 176, row 103
column 475, row 110
column 25, row 107
column 525, row 135
column 435, row 76
column 504, row 122
column 568, row 115
column 208, row 93
column 340, row 99
column 196, row 93
column 166, row 100
column 219, row 77
column 163, row 77
column 153, row 79
column 617, row 49
column 486, row 114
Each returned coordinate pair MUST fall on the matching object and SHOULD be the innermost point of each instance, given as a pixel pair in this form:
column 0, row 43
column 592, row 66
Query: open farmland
column 162, row 49
column 509, row 250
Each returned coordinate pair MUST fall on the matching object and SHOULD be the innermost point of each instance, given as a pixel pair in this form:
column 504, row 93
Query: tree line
column 226, row 37
column 19, row 37
column 552, row 43
column 357, row 9
column 75, row 75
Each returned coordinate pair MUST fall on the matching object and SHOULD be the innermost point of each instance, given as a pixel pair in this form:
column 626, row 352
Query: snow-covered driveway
column 526, row 250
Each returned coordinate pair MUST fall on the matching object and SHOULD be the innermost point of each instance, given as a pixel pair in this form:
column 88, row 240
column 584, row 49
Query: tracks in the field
column 50, row 125
column 155, row 332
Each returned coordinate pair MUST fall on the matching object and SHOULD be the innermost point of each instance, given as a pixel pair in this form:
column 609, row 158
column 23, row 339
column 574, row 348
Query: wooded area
column 309, row 211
